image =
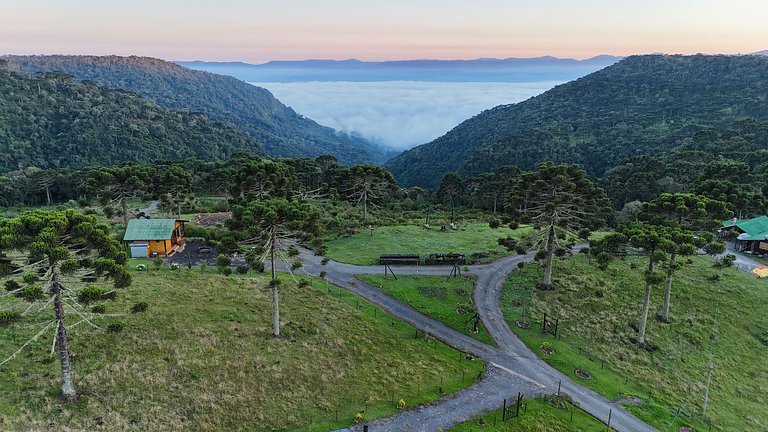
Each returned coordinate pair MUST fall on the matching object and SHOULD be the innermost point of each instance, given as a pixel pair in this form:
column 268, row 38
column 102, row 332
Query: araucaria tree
column 692, row 219
column 262, row 180
column 57, row 250
column 175, row 188
column 117, row 184
column 450, row 192
column 267, row 224
column 558, row 198
column 369, row 184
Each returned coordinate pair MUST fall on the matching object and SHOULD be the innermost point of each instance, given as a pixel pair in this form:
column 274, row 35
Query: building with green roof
column 152, row 237
column 751, row 235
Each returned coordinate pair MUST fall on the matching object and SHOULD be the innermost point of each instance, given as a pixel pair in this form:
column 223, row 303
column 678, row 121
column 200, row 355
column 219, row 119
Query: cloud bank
column 399, row 114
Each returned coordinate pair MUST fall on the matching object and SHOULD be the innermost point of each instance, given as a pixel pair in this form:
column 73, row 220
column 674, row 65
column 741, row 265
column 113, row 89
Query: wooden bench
column 399, row 259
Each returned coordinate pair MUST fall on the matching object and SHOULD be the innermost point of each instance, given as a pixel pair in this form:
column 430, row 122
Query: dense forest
column 252, row 109
column 54, row 121
column 643, row 105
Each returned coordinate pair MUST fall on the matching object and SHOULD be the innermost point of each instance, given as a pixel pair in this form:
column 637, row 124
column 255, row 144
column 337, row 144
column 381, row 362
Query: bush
column 98, row 309
column 32, row 293
column 175, row 266
column 296, row 264
column 494, row 223
column 91, row 294
column 293, row 251
column 325, row 260
column 521, row 249
column 139, row 307
column 520, row 265
column 223, row 261
column 513, row 225
column 303, row 283
column 8, row 317
column 257, row 266
column 323, row 274
column 158, row 262
column 12, row 285
column 226, row 271
column 241, row 269
column 29, row 278
column 115, row 327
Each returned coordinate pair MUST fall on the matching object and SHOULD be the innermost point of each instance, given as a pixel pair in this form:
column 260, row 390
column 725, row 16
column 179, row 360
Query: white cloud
column 399, row 114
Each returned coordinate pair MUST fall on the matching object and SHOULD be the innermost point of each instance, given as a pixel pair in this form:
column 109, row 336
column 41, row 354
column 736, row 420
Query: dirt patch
column 208, row 220
column 629, row 400
column 583, row 374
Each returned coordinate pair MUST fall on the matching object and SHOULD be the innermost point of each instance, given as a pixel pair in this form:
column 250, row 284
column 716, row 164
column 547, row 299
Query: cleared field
column 666, row 388
column 446, row 300
column 365, row 247
column 202, row 358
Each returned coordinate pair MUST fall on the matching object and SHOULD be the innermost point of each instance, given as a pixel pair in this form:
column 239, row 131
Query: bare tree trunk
column 68, row 393
column 365, row 206
column 550, row 256
column 453, row 214
column 275, row 294
column 48, row 195
column 646, row 308
column 495, row 200
column 124, row 204
column 668, row 287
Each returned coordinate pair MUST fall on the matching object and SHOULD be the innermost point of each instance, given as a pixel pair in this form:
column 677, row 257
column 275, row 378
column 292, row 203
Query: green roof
column 753, row 229
column 149, row 229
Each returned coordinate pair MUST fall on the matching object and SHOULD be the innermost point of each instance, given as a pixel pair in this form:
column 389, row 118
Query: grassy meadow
column 364, row 247
column 446, row 300
column 597, row 310
column 202, row 358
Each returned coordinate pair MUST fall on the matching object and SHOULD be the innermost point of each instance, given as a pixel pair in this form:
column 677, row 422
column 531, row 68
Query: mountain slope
column 641, row 105
column 252, row 109
column 52, row 120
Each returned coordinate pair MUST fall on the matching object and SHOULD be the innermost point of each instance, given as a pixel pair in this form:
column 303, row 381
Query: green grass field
column 596, row 310
column 446, row 300
column 364, row 248
column 202, row 358
column 538, row 416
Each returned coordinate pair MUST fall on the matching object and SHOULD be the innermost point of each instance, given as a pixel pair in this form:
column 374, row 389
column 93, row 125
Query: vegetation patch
column 597, row 311
column 448, row 300
column 364, row 248
column 204, row 359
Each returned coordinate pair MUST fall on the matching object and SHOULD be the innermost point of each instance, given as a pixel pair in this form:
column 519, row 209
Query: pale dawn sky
column 263, row 30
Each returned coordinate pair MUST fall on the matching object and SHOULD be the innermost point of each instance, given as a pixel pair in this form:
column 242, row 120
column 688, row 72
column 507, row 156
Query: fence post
column 504, row 411
column 609, row 420
column 558, row 387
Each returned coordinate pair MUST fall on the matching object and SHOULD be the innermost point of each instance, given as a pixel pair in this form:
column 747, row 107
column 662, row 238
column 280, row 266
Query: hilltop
column 639, row 106
column 54, row 121
column 252, row 109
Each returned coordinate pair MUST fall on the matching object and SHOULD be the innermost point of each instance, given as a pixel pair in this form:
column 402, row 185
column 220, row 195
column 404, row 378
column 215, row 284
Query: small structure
column 150, row 237
column 399, row 259
column 751, row 234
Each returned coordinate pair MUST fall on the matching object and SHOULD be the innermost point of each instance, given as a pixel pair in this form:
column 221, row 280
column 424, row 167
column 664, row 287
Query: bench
column 399, row 259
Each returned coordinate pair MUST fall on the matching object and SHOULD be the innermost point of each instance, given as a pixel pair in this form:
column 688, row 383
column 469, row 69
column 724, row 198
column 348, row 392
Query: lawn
column 446, row 300
column 202, row 358
column 597, row 310
column 539, row 415
column 365, row 247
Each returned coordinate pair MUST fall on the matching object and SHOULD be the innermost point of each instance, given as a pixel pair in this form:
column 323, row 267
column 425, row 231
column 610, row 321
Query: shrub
column 8, row 316
column 494, row 223
column 513, row 225
column 223, row 261
column 158, row 262
column 12, row 285
column 325, row 260
column 226, row 271
column 115, row 327
column 303, row 283
column 175, row 266
column 296, row 264
column 521, row 249
column 241, row 269
column 98, row 309
column 520, row 265
column 293, row 251
column 257, row 266
column 29, row 278
column 323, row 274
column 90, row 294
column 32, row 293
column 139, row 307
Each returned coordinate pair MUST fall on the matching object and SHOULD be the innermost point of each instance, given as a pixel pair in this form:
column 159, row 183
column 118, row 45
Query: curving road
column 512, row 367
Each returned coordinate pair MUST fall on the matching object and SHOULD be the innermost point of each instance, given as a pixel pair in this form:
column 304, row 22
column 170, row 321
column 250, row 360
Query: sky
column 257, row 31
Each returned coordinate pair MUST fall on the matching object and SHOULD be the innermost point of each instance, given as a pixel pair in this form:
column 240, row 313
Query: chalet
column 751, row 235
column 151, row 237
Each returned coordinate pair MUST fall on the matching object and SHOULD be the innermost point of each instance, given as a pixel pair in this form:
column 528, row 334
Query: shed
column 147, row 237
column 751, row 234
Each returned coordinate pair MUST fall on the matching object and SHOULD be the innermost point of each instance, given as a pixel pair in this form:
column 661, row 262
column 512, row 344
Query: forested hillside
column 643, row 105
column 252, row 109
column 52, row 120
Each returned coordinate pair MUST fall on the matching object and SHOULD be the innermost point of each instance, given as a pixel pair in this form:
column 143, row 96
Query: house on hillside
column 150, row 237
column 751, row 235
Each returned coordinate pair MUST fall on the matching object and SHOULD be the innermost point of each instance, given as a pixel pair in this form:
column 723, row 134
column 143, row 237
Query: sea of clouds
column 399, row 114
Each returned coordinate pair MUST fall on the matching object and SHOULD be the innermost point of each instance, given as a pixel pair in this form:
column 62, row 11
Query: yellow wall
column 161, row 247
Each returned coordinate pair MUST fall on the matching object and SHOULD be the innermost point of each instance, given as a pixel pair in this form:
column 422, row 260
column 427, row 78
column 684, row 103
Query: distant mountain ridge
column 545, row 68
column 639, row 106
column 252, row 109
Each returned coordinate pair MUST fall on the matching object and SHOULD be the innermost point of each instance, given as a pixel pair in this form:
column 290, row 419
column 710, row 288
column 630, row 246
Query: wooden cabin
column 153, row 237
